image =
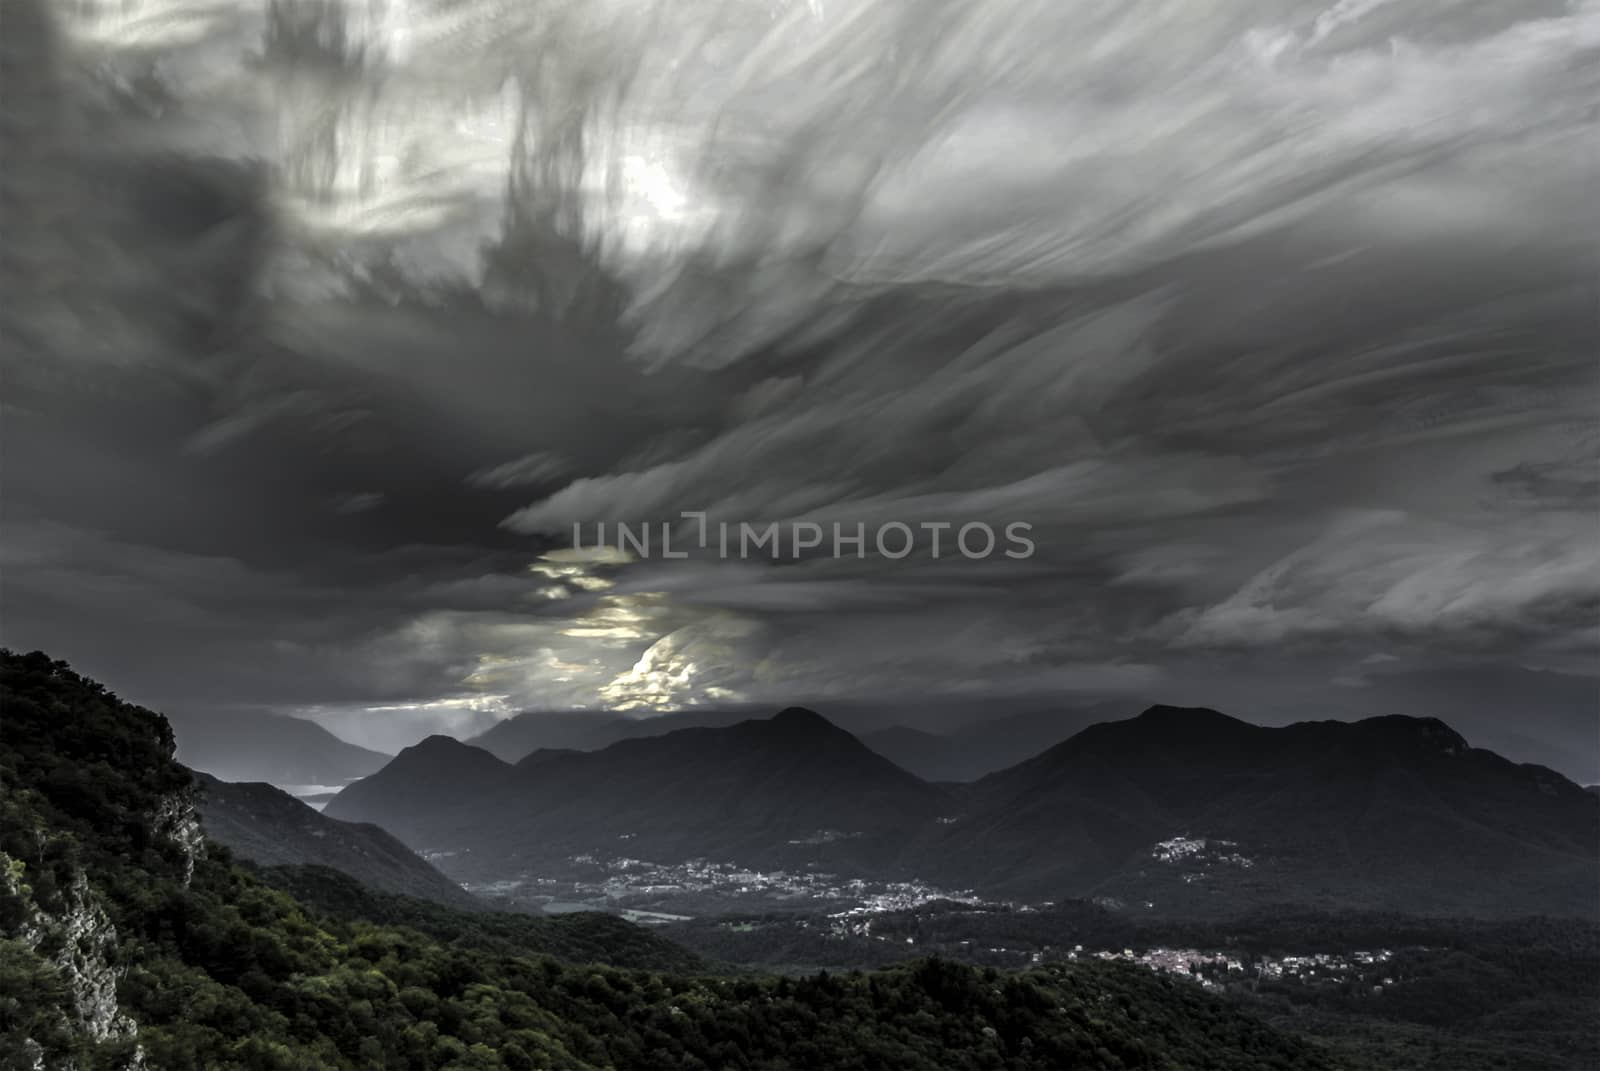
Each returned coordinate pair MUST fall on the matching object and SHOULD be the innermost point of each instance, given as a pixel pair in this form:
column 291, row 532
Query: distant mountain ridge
column 747, row 790
column 1391, row 812
column 945, row 740
column 963, row 751
column 275, row 748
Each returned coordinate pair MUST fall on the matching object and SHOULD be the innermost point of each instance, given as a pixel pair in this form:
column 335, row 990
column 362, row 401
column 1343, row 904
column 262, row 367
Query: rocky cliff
column 78, row 944
column 82, row 796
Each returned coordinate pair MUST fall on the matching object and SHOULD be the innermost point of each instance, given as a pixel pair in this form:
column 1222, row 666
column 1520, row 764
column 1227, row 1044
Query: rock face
column 77, row 941
column 90, row 800
column 88, row 946
column 176, row 820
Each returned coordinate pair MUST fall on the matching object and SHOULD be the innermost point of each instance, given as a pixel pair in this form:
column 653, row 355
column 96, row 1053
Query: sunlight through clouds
column 411, row 287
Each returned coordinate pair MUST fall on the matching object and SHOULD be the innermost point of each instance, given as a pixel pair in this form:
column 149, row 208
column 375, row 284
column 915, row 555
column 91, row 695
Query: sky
column 324, row 323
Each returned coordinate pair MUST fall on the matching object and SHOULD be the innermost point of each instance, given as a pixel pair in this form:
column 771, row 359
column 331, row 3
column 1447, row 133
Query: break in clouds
column 326, row 323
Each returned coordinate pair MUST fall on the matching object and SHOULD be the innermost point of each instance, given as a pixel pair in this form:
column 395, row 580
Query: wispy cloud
column 320, row 333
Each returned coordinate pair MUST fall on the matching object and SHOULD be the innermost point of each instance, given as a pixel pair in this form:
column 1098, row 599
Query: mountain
column 278, row 749
column 1199, row 810
column 1529, row 715
column 425, row 791
column 126, row 943
column 1185, row 808
column 762, row 790
column 269, row 827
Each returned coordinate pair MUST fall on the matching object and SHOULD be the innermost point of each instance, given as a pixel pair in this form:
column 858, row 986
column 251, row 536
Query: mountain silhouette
column 758, row 790
column 1391, row 812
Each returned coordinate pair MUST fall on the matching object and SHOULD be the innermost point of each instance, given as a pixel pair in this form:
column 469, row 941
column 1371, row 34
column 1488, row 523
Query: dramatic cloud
column 325, row 323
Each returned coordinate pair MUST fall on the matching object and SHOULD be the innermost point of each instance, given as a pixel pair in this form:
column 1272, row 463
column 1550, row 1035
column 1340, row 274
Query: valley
column 699, row 888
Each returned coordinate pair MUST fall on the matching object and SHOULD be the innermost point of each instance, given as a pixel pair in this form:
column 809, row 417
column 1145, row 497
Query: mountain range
column 1182, row 807
column 948, row 742
column 940, row 739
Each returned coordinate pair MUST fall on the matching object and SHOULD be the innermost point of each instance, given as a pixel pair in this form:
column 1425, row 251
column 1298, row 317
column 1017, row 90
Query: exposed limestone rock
column 89, row 943
column 175, row 819
column 85, row 945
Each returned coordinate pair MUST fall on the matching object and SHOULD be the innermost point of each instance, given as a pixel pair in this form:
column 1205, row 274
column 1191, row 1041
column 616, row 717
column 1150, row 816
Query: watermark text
column 778, row 540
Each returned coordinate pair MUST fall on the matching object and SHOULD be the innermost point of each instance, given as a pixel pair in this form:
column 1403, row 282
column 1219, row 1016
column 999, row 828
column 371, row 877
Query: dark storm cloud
column 1276, row 327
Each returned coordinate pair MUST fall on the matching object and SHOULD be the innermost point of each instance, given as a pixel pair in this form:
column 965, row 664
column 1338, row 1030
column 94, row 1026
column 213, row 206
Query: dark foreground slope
column 357, row 872
column 577, row 937
column 267, row 826
column 124, row 938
